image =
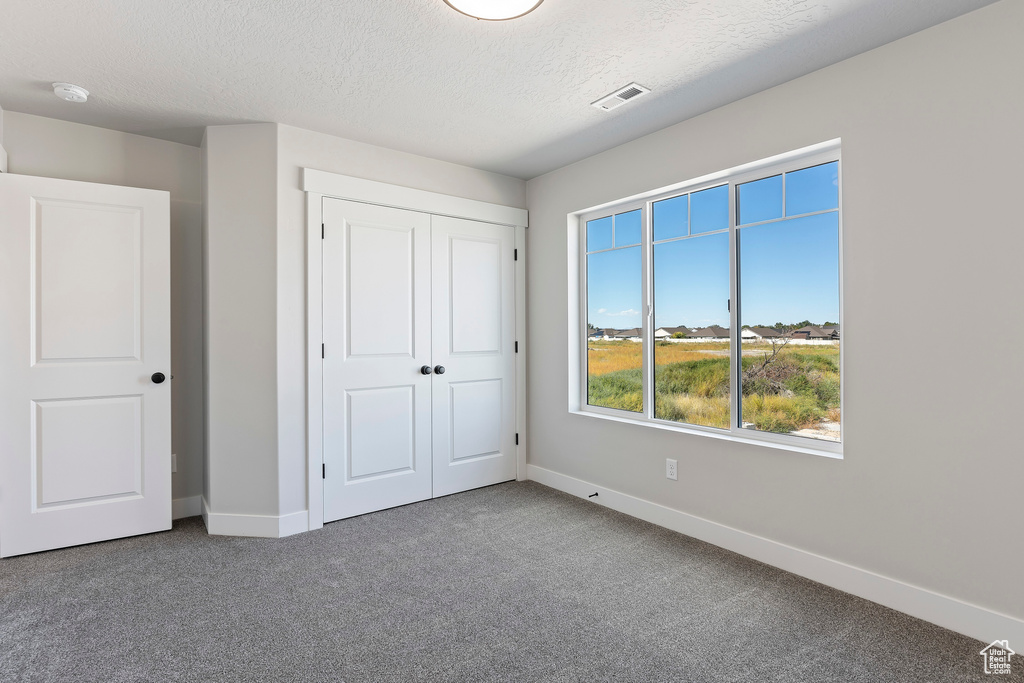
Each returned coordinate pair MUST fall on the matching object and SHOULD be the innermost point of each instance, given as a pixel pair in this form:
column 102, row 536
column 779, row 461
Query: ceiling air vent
column 620, row 97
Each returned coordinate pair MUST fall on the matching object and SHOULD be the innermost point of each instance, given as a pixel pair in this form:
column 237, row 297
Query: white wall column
column 239, row 240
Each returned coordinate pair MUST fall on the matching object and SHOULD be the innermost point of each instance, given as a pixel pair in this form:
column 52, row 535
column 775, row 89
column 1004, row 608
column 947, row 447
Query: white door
column 474, row 341
column 85, row 438
column 376, row 326
column 419, row 356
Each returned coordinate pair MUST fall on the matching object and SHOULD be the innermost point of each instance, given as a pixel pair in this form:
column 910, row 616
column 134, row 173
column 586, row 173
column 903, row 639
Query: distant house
column 815, row 332
column 670, row 332
column 760, row 333
column 712, row 333
column 632, row 334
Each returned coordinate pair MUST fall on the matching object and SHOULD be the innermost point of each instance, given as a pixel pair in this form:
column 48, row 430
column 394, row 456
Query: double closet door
column 418, row 358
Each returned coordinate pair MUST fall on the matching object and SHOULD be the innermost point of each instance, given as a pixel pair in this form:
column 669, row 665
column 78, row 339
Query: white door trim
column 320, row 184
column 399, row 197
column 314, row 359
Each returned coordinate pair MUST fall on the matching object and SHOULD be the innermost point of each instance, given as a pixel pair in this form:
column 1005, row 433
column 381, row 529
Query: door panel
column 86, row 308
column 381, row 290
column 474, row 339
column 376, row 273
column 382, row 426
column 85, row 298
column 475, row 407
column 474, row 268
column 87, row 449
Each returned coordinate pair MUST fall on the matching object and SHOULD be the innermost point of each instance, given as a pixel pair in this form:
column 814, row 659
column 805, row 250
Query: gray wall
column 929, row 491
column 58, row 149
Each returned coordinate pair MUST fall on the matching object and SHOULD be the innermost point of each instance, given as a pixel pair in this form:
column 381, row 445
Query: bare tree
column 769, row 369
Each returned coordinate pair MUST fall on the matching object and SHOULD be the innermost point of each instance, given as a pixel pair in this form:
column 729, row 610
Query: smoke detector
column 620, row 97
column 71, row 93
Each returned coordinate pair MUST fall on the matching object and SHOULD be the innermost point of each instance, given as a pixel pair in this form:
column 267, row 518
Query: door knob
column 439, row 369
column 158, row 378
column 425, row 370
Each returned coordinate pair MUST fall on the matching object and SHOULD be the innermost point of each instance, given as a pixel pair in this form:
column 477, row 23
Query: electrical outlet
column 671, row 469
column 174, row 462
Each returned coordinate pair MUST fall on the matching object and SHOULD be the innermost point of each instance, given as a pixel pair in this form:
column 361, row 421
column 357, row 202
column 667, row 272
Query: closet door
column 85, row 392
column 474, row 342
column 376, row 326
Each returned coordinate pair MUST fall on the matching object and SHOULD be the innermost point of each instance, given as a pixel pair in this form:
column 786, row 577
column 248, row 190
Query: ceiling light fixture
column 494, row 10
column 71, row 93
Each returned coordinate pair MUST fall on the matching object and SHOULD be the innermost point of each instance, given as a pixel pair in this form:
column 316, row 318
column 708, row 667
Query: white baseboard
column 186, row 507
column 294, row 523
column 261, row 526
column 970, row 620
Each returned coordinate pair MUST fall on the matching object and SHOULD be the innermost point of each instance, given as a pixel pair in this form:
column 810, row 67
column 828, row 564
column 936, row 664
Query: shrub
column 622, row 390
column 827, row 391
column 706, row 377
column 710, row 412
column 780, row 413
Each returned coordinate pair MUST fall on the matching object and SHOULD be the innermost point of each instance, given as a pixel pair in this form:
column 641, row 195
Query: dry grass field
column 611, row 356
column 800, row 389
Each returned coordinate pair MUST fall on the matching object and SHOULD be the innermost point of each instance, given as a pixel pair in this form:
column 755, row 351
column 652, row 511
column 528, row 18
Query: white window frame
column 825, row 152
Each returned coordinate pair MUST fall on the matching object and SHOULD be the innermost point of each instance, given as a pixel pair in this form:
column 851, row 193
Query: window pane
column 760, row 200
column 670, row 217
column 627, row 229
column 614, row 350
column 812, row 189
column 709, row 210
column 789, row 284
column 599, row 234
column 691, row 354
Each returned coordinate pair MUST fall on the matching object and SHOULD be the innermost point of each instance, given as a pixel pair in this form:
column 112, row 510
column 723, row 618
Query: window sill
column 831, row 450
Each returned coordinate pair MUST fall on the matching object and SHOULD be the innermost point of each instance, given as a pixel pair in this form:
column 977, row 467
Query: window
column 614, row 296
column 715, row 306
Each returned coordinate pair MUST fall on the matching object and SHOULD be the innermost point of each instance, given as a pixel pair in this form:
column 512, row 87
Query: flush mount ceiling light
column 494, row 10
column 71, row 93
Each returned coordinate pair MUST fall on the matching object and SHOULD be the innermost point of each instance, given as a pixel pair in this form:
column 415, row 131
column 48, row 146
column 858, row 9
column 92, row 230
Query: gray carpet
column 515, row 582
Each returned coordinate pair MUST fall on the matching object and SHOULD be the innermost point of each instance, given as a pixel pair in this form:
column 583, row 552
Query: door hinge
column 517, row 438
column 323, row 471
column 323, row 350
column 517, row 347
column 728, row 305
column 323, row 231
column 515, row 254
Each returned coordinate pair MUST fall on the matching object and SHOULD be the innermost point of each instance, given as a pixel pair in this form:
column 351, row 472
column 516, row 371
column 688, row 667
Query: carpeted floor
column 515, row 582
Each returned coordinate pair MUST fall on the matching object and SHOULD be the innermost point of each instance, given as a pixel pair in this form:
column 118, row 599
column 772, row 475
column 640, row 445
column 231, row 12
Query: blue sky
column 789, row 269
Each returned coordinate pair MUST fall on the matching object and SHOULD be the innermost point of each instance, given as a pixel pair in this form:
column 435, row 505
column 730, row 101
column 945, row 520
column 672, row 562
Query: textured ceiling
column 414, row 75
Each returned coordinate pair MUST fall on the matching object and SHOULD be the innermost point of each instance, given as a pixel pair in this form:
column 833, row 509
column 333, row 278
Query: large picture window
column 716, row 305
